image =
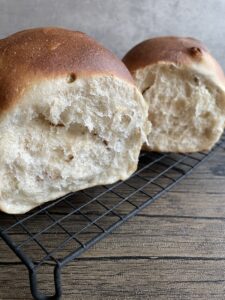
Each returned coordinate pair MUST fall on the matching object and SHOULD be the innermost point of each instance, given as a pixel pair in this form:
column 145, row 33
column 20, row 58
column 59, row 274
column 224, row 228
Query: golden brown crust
column 171, row 49
column 36, row 54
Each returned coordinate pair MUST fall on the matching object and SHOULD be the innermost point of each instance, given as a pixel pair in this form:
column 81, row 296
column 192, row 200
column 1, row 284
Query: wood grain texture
column 174, row 249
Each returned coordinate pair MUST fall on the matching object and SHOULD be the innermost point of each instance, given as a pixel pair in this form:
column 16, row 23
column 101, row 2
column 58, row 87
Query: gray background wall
column 120, row 24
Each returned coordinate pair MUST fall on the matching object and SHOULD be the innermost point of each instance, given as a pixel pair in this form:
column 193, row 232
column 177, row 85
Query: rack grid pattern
column 60, row 231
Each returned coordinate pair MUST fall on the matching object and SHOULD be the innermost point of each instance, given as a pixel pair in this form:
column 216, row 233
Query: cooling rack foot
column 37, row 295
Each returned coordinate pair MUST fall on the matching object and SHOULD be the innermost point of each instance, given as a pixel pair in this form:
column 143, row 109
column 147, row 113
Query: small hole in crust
column 145, row 90
column 71, row 78
column 56, row 125
column 195, row 52
column 171, row 67
column 196, row 80
column 39, row 179
column 70, row 157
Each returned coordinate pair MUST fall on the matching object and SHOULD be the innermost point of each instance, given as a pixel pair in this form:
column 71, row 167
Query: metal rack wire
column 74, row 223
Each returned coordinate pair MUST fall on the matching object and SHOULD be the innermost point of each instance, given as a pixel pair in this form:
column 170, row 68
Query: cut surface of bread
column 64, row 134
column 184, row 88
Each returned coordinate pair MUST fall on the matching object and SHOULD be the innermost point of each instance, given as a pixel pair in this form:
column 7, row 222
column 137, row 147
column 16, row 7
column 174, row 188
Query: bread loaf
column 70, row 117
column 184, row 88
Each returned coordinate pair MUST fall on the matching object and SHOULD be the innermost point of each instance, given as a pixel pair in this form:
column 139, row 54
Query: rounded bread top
column 178, row 50
column 47, row 53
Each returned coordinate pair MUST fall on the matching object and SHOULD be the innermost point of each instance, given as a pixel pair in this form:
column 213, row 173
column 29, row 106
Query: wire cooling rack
column 57, row 233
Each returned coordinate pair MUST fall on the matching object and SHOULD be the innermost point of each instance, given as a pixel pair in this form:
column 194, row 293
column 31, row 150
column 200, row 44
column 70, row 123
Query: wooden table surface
column 174, row 249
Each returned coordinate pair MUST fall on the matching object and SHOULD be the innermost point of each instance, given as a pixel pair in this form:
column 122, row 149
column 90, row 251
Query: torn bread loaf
column 70, row 117
column 184, row 88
